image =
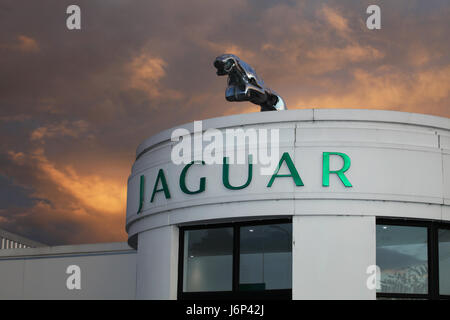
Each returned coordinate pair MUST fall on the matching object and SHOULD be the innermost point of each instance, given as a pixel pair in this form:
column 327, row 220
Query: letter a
column 293, row 171
column 374, row 20
column 165, row 187
column 73, row 22
column 74, row 280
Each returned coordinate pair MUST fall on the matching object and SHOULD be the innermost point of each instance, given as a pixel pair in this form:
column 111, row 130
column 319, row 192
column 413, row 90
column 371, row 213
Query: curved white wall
column 400, row 167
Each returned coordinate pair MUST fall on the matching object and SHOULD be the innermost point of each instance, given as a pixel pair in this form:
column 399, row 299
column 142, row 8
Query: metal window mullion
column 434, row 262
column 236, row 257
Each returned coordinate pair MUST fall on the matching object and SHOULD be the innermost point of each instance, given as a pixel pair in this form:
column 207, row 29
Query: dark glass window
column 265, row 257
column 238, row 260
column 414, row 259
column 208, row 260
column 402, row 255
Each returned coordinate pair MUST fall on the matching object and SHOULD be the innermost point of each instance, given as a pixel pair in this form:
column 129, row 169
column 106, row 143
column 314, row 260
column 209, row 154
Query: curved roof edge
column 367, row 115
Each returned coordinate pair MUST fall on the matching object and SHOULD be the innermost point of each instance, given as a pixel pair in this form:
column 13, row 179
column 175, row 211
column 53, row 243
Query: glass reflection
column 265, row 257
column 208, row 260
column 402, row 256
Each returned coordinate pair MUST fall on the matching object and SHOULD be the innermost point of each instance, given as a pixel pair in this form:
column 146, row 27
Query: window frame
column 432, row 255
column 235, row 293
column 445, row 226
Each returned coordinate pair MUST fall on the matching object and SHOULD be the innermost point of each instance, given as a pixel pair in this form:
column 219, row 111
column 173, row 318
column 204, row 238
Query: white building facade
column 354, row 192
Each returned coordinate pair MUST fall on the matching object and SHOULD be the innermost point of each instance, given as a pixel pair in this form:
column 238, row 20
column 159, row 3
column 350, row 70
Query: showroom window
column 414, row 259
column 239, row 260
column 208, row 260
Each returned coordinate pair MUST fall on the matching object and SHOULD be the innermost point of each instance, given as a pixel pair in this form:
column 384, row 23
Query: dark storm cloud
column 75, row 104
column 12, row 195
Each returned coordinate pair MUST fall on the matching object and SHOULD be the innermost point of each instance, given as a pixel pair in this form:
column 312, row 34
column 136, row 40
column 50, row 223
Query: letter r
column 340, row 173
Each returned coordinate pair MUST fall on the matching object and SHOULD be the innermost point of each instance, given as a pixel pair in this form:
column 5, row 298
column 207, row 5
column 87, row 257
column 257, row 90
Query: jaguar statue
column 245, row 85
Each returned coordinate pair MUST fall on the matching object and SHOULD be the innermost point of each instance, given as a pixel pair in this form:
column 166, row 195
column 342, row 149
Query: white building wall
column 400, row 167
column 157, row 264
column 397, row 158
column 108, row 271
column 331, row 255
column 11, row 279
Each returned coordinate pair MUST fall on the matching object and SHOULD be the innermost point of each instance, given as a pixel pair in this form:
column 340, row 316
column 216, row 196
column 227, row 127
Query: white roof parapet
column 300, row 115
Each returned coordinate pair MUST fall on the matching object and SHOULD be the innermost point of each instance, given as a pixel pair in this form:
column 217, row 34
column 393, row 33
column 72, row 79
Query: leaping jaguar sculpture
column 245, row 85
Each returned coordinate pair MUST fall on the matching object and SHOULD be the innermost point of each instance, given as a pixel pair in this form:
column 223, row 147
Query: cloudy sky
column 74, row 105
